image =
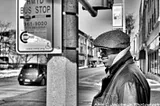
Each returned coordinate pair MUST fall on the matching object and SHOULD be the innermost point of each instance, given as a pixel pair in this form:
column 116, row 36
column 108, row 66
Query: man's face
column 107, row 56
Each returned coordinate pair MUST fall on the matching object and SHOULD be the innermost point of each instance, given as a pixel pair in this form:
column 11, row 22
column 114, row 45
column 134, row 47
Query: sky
column 91, row 25
column 8, row 12
column 94, row 26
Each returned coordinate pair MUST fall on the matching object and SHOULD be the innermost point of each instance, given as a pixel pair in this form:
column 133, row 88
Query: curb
column 31, row 94
column 101, row 65
column 82, row 67
column 20, row 100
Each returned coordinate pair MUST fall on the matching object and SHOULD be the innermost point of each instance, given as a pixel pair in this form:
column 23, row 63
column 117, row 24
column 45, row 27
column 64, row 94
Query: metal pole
column 124, row 18
column 88, row 7
column 62, row 69
column 70, row 45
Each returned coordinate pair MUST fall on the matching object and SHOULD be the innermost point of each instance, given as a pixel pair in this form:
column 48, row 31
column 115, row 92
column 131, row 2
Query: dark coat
column 126, row 84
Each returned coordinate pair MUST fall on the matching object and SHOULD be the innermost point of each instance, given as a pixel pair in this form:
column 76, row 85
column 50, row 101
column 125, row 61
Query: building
column 149, row 32
column 8, row 54
column 7, row 45
column 87, row 52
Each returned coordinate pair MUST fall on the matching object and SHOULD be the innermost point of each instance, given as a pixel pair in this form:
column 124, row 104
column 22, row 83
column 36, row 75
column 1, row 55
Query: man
column 126, row 84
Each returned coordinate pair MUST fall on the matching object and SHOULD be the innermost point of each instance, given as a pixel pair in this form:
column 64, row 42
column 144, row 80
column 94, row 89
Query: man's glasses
column 106, row 52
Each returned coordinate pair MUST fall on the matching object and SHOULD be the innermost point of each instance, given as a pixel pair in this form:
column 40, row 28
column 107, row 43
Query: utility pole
column 62, row 69
column 70, row 43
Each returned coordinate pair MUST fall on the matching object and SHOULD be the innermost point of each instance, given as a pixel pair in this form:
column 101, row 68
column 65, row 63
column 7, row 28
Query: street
column 13, row 94
column 90, row 82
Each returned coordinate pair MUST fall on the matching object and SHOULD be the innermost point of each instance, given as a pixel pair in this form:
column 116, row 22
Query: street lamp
column 88, row 7
column 94, row 5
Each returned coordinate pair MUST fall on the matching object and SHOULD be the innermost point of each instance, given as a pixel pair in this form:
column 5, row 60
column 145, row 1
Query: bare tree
column 8, row 46
column 129, row 23
column 4, row 26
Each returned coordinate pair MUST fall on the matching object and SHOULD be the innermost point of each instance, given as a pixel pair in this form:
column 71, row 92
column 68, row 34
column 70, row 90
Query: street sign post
column 35, row 27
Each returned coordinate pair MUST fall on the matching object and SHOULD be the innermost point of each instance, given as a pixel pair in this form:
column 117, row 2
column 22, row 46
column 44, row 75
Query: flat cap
column 112, row 39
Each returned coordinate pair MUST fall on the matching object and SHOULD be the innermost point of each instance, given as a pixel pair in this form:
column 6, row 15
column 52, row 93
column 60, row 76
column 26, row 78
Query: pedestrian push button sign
column 34, row 29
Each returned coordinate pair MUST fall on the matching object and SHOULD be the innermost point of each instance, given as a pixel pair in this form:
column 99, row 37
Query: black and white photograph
column 79, row 53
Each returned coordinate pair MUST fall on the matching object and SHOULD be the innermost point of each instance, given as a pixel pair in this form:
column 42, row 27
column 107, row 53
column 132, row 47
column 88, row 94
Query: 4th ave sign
column 35, row 27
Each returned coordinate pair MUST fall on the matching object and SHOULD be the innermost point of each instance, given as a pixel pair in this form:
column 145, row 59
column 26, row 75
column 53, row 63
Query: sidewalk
column 34, row 98
column 148, row 75
column 153, row 77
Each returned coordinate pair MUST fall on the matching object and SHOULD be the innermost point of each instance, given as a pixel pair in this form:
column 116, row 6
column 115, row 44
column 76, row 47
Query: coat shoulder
column 129, row 73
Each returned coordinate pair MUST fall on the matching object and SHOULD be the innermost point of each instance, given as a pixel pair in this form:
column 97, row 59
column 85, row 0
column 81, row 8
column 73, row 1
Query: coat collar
column 120, row 55
column 127, row 56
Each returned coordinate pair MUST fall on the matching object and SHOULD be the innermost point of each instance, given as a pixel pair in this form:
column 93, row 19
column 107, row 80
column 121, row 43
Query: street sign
column 117, row 16
column 35, row 27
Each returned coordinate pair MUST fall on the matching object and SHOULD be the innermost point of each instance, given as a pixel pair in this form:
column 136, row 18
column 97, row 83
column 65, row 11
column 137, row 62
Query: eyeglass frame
column 109, row 51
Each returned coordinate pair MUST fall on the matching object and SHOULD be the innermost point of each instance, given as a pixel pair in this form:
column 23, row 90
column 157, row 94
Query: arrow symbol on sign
column 28, row 17
column 41, row 16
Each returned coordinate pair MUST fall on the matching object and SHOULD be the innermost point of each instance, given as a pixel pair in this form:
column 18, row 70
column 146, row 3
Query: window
column 149, row 5
column 4, row 59
column 150, row 25
column 158, row 61
column 153, row 62
column 152, row 22
column 154, row 15
column 157, row 9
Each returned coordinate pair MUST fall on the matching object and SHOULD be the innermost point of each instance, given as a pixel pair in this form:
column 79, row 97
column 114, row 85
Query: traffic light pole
column 88, row 7
column 62, row 78
column 62, row 70
column 70, row 43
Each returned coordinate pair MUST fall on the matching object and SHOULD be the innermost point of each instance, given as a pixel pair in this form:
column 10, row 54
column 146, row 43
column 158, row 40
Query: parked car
column 4, row 63
column 33, row 73
column 92, row 64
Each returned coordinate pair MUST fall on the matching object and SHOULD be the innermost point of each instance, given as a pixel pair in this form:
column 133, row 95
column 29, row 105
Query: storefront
column 81, row 61
column 154, row 56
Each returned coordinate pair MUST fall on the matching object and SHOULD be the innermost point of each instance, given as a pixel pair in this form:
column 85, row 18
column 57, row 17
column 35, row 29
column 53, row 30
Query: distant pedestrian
column 126, row 84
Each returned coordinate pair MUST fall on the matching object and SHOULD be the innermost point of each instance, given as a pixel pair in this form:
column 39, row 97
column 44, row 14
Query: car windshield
column 30, row 66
